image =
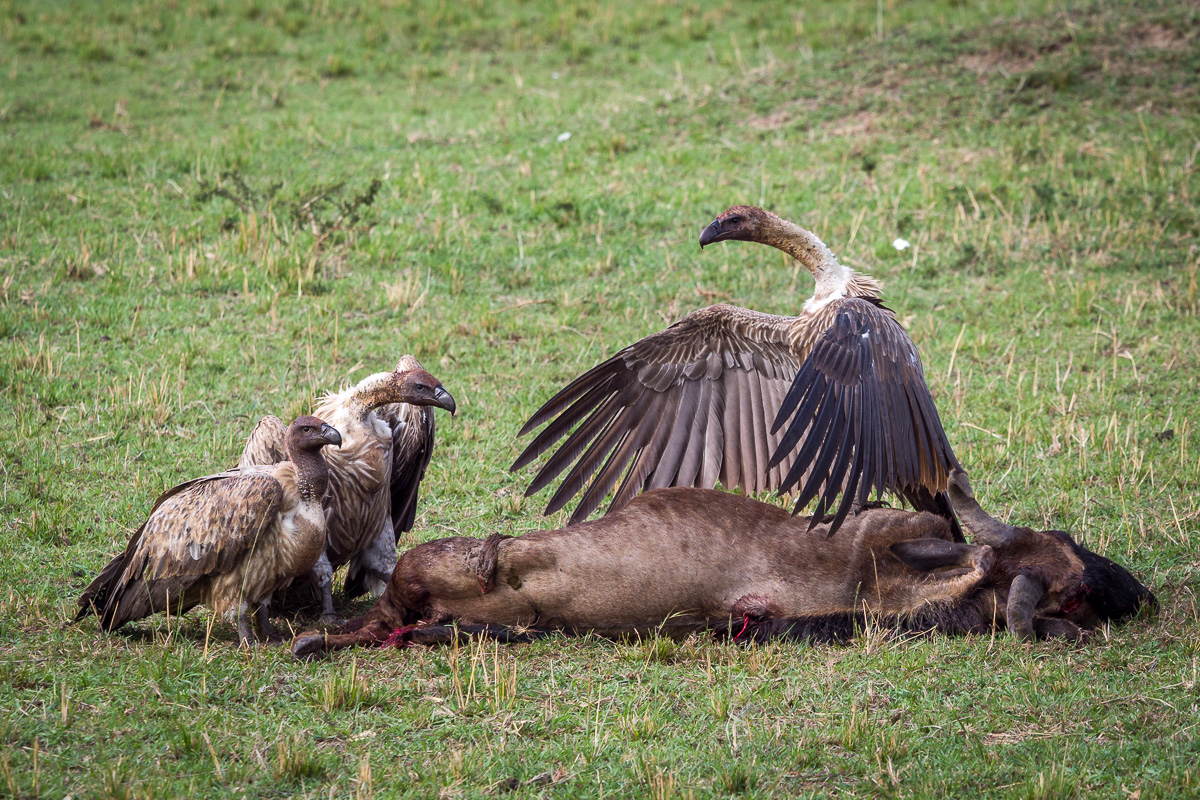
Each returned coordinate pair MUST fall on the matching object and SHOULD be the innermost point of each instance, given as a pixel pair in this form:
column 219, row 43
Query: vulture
column 832, row 401
column 387, row 433
column 227, row 541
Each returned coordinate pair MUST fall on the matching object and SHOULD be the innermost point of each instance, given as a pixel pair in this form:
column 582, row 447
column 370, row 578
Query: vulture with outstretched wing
column 387, row 431
column 227, row 541
column 832, row 401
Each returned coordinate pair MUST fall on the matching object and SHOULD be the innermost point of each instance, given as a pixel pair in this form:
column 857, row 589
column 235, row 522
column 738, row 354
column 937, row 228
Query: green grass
column 214, row 209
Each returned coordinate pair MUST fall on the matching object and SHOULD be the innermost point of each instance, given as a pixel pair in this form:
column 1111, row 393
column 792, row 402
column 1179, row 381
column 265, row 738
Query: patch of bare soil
column 1158, row 37
column 1006, row 64
column 783, row 116
column 854, row 124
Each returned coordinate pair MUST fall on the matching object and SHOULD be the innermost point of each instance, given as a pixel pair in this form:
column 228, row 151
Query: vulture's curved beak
column 443, row 399
column 711, row 234
column 331, row 435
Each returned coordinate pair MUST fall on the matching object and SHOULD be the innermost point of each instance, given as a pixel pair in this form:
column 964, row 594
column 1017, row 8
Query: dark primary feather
column 412, row 450
column 684, row 407
column 722, row 396
column 866, row 418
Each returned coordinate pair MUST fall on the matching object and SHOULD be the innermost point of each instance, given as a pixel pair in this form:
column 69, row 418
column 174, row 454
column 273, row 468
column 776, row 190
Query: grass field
column 216, row 209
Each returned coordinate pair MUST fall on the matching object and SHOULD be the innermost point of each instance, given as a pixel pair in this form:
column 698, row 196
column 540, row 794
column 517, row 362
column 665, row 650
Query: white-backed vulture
column 833, row 399
column 227, row 541
column 387, row 439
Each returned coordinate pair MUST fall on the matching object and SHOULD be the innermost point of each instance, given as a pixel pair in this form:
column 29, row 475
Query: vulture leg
column 371, row 569
column 262, row 620
column 245, row 637
column 322, row 575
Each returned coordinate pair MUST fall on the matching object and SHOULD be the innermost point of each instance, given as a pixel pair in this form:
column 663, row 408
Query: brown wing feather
column 673, row 409
column 413, row 433
column 196, row 529
column 863, row 414
column 265, row 444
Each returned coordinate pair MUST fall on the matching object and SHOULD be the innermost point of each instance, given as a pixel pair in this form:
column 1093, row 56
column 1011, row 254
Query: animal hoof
column 309, row 647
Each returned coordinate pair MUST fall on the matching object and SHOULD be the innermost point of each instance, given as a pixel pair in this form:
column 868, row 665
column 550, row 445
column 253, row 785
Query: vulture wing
column 687, row 406
column 265, row 445
column 861, row 410
column 199, row 528
column 412, row 448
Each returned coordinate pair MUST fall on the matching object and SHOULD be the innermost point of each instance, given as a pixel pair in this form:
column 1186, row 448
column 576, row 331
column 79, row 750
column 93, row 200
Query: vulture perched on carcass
column 387, row 440
column 227, row 541
column 833, row 400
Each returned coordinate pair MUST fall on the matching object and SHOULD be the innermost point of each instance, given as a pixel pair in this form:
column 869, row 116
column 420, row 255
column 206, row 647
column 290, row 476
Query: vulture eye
column 734, row 220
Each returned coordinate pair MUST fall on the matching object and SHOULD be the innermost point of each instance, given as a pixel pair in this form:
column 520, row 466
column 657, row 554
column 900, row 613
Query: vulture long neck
column 312, row 473
column 834, row 280
column 372, row 392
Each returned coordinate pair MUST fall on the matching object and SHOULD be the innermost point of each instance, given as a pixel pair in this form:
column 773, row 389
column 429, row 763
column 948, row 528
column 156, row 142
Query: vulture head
column 422, row 389
column 1052, row 574
column 414, row 386
column 309, row 434
column 741, row 224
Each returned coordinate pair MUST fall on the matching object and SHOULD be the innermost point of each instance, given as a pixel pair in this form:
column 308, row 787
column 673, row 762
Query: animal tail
column 95, row 597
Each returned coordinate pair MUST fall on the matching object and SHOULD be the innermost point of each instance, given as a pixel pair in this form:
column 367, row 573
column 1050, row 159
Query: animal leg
column 262, row 620
column 371, row 569
column 315, row 644
column 929, row 554
column 245, row 637
column 322, row 574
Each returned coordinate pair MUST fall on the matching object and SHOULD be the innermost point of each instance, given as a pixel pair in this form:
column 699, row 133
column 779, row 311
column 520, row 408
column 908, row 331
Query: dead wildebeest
column 679, row 560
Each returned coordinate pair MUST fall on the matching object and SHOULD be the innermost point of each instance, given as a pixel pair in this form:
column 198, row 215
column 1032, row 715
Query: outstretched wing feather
column 885, row 435
column 678, row 408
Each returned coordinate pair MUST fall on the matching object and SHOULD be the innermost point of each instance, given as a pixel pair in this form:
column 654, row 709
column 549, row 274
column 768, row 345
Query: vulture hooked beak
column 331, row 435
column 712, row 234
column 443, row 399
column 729, row 226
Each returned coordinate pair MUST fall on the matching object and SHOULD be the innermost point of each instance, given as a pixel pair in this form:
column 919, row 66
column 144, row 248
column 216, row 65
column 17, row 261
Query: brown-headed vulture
column 387, row 439
column 832, row 401
column 227, row 541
